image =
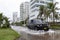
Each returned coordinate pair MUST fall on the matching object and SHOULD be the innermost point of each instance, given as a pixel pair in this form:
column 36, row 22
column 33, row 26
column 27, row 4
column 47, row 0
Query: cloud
column 10, row 6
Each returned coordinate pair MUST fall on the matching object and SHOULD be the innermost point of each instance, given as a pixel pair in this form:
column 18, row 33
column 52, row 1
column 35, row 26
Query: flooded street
column 46, row 36
column 27, row 34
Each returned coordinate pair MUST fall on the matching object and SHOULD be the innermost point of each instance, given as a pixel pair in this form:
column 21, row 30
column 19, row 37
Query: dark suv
column 37, row 24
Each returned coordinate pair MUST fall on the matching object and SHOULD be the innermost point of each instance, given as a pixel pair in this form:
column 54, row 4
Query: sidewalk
column 18, row 28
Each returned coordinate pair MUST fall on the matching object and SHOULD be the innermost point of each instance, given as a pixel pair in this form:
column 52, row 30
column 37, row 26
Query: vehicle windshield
column 37, row 21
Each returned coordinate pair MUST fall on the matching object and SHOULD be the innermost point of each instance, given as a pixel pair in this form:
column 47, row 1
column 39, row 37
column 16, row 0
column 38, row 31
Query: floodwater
column 50, row 35
column 46, row 36
column 27, row 34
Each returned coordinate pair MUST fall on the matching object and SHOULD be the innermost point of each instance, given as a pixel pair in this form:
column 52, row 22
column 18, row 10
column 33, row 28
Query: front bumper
column 43, row 27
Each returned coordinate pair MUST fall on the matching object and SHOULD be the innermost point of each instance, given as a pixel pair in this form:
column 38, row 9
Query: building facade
column 15, row 17
column 18, row 19
column 34, row 7
column 24, row 11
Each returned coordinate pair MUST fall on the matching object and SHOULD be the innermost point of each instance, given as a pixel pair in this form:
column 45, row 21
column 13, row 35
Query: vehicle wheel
column 29, row 27
column 35, row 28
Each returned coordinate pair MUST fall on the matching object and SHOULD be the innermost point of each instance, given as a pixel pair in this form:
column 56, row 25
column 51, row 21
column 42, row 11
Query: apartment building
column 34, row 7
column 15, row 17
column 24, row 11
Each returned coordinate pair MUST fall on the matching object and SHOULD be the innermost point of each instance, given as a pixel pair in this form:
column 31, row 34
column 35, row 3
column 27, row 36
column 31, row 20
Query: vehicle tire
column 29, row 27
column 36, row 28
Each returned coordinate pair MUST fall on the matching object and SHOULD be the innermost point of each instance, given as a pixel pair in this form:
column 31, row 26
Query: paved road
column 27, row 34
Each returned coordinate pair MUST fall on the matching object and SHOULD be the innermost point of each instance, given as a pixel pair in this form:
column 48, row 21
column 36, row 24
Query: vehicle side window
column 31, row 21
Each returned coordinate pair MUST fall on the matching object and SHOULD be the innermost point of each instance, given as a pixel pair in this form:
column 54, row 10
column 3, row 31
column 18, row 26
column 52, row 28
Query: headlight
column 45, row 28
column 38, row 25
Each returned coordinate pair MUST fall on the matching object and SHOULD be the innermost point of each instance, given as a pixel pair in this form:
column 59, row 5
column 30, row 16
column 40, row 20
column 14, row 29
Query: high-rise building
column 34, row 7
column 24, row 11
column 18, row 19
column 15, row 17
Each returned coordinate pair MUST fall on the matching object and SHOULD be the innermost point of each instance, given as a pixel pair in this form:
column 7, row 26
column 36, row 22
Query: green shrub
column 55, row 26
column 21, row 23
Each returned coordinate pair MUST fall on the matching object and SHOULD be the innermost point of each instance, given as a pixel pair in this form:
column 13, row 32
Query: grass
column 55, row 27
column 8, row 34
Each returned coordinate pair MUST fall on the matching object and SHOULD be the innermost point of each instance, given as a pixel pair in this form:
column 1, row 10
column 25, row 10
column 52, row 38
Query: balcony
column 35, row 9
column 49, row 1
column 32, row 1
column 36, row 5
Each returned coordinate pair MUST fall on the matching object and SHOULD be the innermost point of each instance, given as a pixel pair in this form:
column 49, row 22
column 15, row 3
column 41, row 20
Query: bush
column 6, row 26
column 18, row 23
column 21, row 23
column 55, row 26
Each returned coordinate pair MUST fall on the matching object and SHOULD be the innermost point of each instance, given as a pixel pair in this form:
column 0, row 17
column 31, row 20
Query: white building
column 18, row 19
column 24, row 11
column 15, row 16
column 58, row 17
column 34, row 7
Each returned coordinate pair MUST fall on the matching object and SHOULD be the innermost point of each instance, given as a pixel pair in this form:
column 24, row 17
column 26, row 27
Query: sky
column 7, row 7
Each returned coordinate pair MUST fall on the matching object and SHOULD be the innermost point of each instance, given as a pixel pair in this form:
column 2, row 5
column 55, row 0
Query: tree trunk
column 53, row 18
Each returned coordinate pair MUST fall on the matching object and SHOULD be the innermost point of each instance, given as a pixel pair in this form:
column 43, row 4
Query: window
column 32, row 15
column 32, row 21
column 32, row 3
column 33, row 6
column 35, row 10
column 36, row 1
column 42, row 2
column 50, row 0
column 31, row 0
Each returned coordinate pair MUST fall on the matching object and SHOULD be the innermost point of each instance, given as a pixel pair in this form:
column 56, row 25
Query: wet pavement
column 27, row 34
column 46, row 36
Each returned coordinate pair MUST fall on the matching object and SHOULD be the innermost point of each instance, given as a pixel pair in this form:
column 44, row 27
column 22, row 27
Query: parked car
column 37, row 24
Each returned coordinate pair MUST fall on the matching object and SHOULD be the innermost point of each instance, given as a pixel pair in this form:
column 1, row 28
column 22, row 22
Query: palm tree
column 56, row 17
column 41, row 11
column 46, row 13
column 26, row 20
column 1, row 19
column 52, row 7
column 6, row 23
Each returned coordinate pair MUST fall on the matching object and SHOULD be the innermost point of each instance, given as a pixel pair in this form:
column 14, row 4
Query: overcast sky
column 10, row 6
